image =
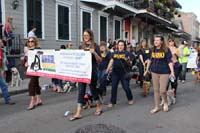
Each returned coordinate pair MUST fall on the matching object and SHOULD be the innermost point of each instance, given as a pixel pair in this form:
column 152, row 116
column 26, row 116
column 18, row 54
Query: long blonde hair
column 9, row 18
column 36, row 42
column 141, row 47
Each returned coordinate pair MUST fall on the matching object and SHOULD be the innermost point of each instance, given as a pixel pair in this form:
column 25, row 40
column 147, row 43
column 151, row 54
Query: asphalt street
column 183, row 117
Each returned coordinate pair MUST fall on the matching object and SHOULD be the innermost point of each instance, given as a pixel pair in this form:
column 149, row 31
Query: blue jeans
column 4, row 89
column 183, row 71
column 116, row 77
column 102, row 80
column 82, row 89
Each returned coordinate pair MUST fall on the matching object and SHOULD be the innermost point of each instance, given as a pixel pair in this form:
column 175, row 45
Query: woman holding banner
column 34, row 87
column 89, row 45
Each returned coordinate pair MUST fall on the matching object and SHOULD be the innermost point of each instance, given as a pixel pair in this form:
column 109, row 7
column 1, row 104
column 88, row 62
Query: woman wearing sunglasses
column 34, row 87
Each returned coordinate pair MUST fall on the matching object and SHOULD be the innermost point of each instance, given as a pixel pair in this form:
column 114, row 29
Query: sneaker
column 10, row 102
column 183, row 81
column 111, row 105
column 131, row 102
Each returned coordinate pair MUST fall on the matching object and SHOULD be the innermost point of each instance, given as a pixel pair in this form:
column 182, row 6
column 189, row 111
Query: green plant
column 158, row 5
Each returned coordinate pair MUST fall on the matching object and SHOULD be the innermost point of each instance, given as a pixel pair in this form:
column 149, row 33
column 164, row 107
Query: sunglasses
column 171, row 41
column 31, row 41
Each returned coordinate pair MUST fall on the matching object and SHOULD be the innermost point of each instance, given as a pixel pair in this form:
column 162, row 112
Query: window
column 34, row 16
column 63, row 23
column 103, row 28
column 86, row 20
column 117, row 31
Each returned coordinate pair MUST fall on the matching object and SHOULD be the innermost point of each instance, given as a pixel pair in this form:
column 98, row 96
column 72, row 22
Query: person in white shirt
column 133, row 42
column 32, row 32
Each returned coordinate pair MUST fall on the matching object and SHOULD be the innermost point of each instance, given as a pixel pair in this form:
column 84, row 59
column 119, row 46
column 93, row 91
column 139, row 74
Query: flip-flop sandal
column 31, row 107
column 98, row 113
column 39, row 104
column 73, row 118
column 154, row 111
column 165, row 109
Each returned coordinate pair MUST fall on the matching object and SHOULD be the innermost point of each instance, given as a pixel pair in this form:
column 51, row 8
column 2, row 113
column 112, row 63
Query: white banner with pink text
column 72, row 65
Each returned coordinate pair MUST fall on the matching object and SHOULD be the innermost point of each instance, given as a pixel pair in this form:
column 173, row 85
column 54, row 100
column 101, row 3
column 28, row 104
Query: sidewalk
column 24, row 86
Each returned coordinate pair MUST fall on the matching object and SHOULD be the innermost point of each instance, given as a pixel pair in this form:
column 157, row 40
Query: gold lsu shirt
column 158, row 55
column 119, row 56
column 103, row 55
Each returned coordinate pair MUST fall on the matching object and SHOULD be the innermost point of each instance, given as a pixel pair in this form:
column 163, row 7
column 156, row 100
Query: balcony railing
column 149, row 6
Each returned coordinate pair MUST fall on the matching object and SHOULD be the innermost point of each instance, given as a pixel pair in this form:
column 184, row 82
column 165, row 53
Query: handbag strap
column 123, row 65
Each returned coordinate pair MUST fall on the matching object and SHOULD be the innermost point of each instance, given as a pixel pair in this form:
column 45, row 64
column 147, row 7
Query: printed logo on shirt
column 119, row 56
column 103, row 55
column 146, row 51
column 158, row 55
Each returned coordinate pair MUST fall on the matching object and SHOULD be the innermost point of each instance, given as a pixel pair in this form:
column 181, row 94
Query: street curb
column 16, row 92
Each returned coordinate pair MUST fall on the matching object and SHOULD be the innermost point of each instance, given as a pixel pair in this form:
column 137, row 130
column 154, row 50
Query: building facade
column 61, row 21
column 190, row 24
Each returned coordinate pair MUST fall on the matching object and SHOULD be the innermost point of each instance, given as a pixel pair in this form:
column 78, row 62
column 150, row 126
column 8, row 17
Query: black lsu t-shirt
column 120, row 65
column 160, row 61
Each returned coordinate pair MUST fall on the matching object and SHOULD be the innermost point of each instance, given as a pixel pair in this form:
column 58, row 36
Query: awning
column 115, row 7
column 172, row 29
column 120, row 9
column 197, row 39
column 182, row 34
column 98, row 2
column 153, row 17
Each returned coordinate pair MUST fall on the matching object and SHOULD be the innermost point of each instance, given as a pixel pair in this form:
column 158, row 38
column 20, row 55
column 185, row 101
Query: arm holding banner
column 97, row 57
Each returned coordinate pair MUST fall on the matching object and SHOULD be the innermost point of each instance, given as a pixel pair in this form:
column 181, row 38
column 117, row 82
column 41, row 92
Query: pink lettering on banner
column 73, row 79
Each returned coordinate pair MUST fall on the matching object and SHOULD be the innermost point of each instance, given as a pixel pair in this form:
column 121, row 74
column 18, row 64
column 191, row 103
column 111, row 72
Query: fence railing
column 15, row 45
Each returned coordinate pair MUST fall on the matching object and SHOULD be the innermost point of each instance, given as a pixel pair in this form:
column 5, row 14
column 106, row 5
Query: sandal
column 98, row 113
column 39, row 104
column 154, row 111
column 31, row 107
column 73, row 118
column 165, row 108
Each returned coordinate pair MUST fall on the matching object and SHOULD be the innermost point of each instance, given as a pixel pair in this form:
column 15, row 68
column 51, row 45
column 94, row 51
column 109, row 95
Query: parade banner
column 192, row 60
column 72, row 65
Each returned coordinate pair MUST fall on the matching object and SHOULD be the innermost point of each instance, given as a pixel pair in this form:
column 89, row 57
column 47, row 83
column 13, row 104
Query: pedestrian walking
column 33, row 86
column 109, row 43
column 144, row 55
column 120, row 64
column 3, row 86
column 102, row 76
column 177, row 66
column 89, row 45
column 161, row 68
column 183, row 59
column 5, row 61
column 57, row 83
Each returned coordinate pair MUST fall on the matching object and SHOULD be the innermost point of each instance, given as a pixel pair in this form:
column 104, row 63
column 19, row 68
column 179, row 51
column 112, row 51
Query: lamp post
column 15, row 4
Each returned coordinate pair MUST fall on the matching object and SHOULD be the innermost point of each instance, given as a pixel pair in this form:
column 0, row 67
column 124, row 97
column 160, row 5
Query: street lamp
column 15, row 4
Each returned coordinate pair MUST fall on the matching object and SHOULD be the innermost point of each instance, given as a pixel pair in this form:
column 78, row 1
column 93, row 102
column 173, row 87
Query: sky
column 191, row 6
